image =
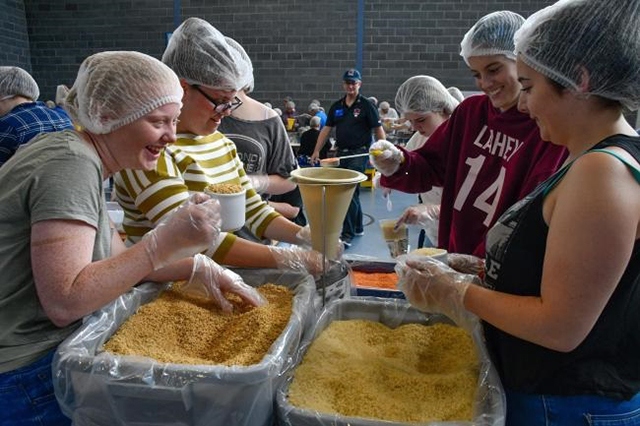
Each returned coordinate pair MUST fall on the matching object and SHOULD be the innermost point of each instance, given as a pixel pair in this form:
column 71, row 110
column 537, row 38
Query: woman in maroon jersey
column 487, row 156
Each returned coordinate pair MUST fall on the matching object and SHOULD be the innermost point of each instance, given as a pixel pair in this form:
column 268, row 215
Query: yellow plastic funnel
column 326, row 194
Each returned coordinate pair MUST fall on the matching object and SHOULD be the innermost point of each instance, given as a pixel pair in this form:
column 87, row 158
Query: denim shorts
column 579, row 410
column 27, row 397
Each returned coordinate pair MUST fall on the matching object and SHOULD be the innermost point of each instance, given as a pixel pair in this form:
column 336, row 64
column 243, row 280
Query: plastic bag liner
column 489, row 404
column 95, row 387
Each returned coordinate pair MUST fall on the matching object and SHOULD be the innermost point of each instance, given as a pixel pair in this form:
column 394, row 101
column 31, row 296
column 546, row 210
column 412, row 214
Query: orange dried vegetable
column 386, row 280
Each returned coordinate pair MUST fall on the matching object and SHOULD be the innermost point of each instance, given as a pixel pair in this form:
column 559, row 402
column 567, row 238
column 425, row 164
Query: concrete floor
column 374, row 206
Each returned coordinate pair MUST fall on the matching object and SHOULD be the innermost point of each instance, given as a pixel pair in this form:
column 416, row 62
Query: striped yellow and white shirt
column 185, row 167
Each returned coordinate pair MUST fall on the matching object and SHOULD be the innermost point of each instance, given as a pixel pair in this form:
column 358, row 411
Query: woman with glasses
column 211, row 74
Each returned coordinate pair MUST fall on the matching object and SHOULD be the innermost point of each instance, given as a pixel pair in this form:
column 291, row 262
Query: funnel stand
column 324, row 243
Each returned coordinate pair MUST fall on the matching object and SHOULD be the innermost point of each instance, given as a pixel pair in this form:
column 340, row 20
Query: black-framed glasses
column 219, row 107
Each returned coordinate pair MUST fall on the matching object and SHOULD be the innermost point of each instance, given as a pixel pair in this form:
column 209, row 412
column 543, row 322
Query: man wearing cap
column 354, row 118
column 21, row 116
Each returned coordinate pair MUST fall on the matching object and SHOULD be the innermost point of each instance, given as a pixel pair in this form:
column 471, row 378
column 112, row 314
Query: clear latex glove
column 298, row 259
column 466, row 263
column 431, row 286
column 420, row 214
column 385, row 157
column 210, row 280
column 61, row 94
column 190, row 229
column 303, row 237
column 260, row 183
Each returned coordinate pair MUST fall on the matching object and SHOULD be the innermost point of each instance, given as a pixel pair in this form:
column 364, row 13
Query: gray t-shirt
column 263, row 145
column 55, row 176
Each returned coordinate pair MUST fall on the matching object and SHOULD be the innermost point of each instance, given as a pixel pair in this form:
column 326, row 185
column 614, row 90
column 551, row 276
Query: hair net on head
column 246, row 71
column 113, row 89
column 384, row 105
column 15, row 81
column 422, row 93
column 491, row 35
column 200, row 54
column 595, row 42
column 456, row 93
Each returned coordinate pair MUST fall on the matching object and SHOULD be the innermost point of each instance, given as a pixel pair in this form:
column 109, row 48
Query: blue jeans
column 27, row 398
column 580, row 410
column 353, row 221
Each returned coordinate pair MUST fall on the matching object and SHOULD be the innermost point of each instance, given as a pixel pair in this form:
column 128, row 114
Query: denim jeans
column 27, row 398
column 353, row 221
column 580, row 410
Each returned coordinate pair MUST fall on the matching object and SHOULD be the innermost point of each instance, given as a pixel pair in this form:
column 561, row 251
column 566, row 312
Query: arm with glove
column 432, row 286
column 210, row 280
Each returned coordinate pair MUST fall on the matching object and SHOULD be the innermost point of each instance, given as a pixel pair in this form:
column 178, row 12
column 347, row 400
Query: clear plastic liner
column 489, row 404
column 95, row 387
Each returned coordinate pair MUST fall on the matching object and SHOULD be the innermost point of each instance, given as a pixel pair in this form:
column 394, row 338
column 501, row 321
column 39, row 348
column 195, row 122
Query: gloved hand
column 420, row 214
column 303, row 237
column 61, row 94
column 466, row 263
column 385, row 157
column 259, row 182
column 190, row 229
column 431, row 286
column 298, row 259
column 208, row 279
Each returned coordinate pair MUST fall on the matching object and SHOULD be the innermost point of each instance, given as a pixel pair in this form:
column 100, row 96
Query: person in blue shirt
column 316, row 111
column 21, row 116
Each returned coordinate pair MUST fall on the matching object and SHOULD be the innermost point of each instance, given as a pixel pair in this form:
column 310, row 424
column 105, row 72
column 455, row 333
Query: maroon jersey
column 485, row 160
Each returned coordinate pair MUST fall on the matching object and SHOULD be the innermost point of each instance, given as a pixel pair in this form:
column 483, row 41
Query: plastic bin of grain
column 95, row 387
column 489, row 405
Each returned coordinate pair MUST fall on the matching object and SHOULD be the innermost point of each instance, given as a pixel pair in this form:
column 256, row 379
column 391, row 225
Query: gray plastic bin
column 489, row 405
column 100, row 388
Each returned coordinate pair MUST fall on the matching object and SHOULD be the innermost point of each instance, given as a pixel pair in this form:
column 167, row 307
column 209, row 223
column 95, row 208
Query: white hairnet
column 491, row 35
column 246, row 71
column 113, row 89
column 456, row 93
column 200, row 54
column 14, row 81
column 597, row 40
column 384, row 105
column 422, row 94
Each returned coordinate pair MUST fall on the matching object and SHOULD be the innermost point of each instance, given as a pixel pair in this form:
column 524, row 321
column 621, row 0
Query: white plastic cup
column 397, row 238
column 232, row 209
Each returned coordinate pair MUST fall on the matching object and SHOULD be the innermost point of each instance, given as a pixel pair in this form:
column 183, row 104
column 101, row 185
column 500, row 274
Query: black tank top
column 607, row 362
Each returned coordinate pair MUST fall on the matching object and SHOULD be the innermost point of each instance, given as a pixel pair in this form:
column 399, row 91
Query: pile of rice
column 414, row 373
column 177, row 328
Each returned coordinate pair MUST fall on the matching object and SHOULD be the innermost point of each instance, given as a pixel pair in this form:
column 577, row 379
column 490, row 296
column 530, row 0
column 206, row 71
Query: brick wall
column 298, row 48
column 14, row 40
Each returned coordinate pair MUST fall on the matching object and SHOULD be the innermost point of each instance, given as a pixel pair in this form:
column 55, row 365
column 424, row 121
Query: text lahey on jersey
column 497, row 143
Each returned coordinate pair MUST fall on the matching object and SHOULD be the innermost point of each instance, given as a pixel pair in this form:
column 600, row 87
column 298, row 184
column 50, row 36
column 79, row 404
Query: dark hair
column 604, row 102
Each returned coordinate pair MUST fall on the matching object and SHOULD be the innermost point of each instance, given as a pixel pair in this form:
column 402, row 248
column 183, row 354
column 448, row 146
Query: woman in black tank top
column 561, row 288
